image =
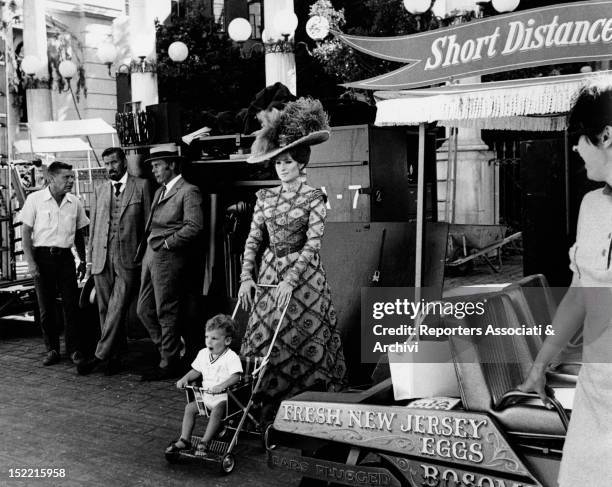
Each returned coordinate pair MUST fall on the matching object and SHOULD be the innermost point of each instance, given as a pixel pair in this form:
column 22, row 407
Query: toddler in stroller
column 219, row 367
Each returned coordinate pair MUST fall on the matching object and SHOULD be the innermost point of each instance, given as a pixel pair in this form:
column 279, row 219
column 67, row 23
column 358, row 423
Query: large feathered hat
column 302, row 122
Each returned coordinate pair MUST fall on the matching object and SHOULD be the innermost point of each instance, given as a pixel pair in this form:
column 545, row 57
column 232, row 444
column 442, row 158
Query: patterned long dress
column 289, row 222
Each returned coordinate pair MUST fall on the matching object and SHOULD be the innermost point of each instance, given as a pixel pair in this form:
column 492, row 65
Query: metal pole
column 420, row 214
column 567, row 182
column 76, row 107
column 12, row 258
column 449, row 175
column 454, row 187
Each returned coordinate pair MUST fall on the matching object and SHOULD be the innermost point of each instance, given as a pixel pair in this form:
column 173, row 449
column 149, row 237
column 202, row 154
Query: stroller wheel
column 227, row 464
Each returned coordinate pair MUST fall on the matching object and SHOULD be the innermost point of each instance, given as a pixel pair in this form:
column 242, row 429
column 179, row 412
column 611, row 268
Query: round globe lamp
column 285, row 23
column 178, row 51
column 239, row 29
column 317, row 28
column 107, row 53
column 502, row 6
column 31, row 65
column 417, row 7
column 67, row 69
column 141, row 46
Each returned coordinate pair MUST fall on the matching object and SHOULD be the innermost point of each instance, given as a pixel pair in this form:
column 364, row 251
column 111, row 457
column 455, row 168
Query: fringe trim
column 503, row 109
column 532, row 124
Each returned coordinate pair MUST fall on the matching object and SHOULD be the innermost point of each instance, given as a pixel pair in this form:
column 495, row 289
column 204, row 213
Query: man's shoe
column 113, row 366
column 86, row 367
column 77, row 358
column 160, row 373
column 52, row 357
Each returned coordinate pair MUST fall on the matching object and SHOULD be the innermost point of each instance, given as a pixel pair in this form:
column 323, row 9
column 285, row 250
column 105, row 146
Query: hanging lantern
column 67, row 69
column 178, row 51
column 317, row 27
column 417, row 7
column 502, row 6
column 239, row 29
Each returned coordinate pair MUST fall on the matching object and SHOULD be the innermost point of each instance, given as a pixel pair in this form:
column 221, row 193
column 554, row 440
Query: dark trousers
column 115, row 289
column 164, row 284
column 57, row 278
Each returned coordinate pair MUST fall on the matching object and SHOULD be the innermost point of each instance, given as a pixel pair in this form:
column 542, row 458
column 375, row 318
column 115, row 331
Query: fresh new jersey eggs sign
column 566, row 33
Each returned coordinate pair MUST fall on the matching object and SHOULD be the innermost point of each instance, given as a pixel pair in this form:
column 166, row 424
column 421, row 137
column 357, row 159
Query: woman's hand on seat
column 536, row 382
column 245, row 294
column 283, row 294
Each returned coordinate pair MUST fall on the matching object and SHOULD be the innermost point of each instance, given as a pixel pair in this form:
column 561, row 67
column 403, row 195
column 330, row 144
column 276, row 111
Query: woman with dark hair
column 586, row 453
column 288, row 224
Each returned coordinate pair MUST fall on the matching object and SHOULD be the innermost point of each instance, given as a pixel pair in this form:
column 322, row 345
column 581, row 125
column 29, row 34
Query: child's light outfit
column 214, row 371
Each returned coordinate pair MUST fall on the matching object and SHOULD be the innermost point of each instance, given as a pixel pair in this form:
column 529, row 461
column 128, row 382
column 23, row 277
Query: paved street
column 105, row 431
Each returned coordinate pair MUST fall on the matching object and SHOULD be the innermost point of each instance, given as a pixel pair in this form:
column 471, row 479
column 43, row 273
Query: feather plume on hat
column 301, row 122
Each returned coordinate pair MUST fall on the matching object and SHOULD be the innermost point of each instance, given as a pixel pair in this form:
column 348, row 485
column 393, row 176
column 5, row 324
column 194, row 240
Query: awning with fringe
column 537, row 104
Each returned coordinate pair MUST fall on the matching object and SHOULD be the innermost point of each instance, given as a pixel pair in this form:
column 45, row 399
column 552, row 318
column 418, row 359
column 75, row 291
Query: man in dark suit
column 119, row 214
column 172, row 234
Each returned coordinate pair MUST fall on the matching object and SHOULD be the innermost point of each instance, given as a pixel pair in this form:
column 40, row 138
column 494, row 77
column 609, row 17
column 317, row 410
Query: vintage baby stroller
column 242, row 408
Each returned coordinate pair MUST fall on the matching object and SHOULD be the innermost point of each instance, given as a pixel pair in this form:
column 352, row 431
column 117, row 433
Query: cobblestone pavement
column 105, row 431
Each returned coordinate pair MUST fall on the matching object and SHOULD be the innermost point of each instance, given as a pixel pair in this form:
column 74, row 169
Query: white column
column 279, row 66
column 142, row 30
column 38, row 100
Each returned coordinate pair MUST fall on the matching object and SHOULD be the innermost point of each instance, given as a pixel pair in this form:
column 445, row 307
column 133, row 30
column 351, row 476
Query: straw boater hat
column 164, row 151
column 88, row 293
column 300, row 123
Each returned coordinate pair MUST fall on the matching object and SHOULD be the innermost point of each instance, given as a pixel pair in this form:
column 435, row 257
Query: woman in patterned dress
column 588, row 302
column 288, row 224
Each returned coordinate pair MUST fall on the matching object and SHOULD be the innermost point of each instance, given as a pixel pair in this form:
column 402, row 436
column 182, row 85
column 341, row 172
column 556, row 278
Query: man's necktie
column 118, row 189
column 163, row 193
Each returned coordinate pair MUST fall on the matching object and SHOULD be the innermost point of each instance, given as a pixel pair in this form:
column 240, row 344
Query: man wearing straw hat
column 172, row 232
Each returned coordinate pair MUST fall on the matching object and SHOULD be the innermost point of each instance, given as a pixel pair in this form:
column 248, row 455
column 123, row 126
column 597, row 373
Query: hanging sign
column 566, row 33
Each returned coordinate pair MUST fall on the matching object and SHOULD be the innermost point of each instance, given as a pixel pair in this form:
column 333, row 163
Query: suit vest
column 115, row 214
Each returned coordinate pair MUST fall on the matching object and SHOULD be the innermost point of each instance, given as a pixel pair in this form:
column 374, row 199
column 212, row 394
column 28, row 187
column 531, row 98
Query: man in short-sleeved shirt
column 53, row 221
